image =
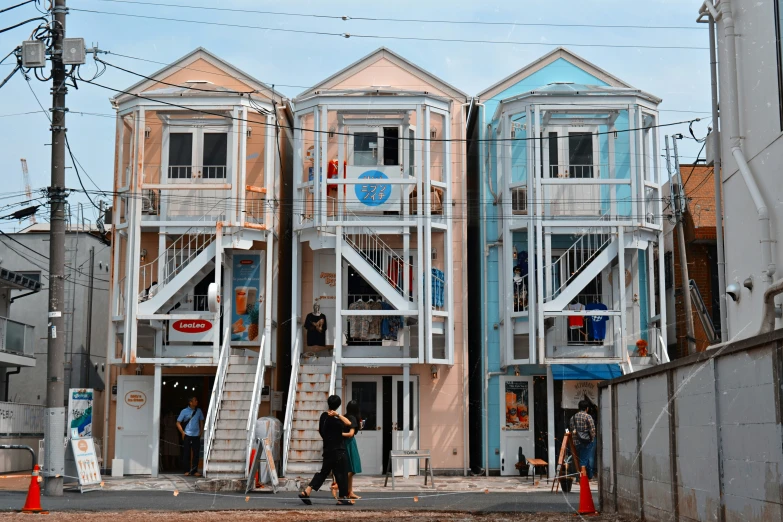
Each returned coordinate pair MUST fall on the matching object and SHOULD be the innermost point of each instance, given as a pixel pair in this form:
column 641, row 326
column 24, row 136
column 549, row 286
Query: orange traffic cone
column 33, row 502
column 586, row 506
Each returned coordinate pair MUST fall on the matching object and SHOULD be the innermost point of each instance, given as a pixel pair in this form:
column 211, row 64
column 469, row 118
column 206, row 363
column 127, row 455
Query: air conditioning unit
column 519, row 201
column 149, row 203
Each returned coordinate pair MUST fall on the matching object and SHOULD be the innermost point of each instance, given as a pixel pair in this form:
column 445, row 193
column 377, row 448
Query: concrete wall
column 696, row 439
column 760, row 129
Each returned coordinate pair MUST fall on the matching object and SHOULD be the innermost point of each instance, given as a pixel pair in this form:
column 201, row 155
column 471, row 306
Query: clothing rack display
column 371, row 328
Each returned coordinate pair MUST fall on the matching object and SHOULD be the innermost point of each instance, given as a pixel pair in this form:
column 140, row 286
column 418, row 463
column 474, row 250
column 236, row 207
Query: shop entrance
column 517, row 422
column 380, row 401
column 176, row 390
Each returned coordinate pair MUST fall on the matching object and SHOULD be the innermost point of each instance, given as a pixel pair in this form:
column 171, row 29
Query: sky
column 293, row 61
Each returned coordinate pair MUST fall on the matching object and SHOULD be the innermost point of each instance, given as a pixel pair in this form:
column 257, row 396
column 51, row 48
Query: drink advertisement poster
column 80, row 412
column 247, row 301
column 517, row 417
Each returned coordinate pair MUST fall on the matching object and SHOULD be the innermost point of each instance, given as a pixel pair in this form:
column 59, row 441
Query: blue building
column 565, row 223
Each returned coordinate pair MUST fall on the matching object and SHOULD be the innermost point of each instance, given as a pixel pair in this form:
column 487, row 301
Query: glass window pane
column 412, row 151
column 391, row 146
column 215, row 155
column 580, row 154
column 366, row 394
column 365, row 148
column 553, row 161
column 180, row 154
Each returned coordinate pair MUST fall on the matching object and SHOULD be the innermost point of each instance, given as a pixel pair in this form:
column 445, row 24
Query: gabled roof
column 552, row 56
column 193, row 56
column 378, row 54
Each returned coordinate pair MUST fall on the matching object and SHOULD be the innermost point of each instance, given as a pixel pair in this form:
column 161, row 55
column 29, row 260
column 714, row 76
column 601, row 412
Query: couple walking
column 340, row 455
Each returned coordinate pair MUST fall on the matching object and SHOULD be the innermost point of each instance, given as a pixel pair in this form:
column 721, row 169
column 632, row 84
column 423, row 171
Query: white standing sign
column 86, row 462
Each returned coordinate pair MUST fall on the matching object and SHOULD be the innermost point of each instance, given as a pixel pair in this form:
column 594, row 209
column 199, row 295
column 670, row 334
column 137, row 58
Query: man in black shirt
column 330, row 427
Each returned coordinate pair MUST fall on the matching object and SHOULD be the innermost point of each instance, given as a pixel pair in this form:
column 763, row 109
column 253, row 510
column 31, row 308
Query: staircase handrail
column 333, row 377
column 216, row 397
column 255, row 402
column 291, row 401
column 585, row 242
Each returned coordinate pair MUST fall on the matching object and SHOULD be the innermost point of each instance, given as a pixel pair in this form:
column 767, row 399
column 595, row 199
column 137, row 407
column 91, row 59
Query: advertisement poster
column 517, row 405
column 247, row 301
column 86, row 462
column 575, row 391
column 80, row 412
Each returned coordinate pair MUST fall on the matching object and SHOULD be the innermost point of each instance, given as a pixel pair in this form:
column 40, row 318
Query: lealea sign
column 190, row 330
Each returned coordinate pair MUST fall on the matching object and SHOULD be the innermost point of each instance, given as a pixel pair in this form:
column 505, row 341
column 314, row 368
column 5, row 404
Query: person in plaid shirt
column 583, row 430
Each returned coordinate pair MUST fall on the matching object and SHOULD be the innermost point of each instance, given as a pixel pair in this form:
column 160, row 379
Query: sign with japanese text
column 373, row 195
column 80, row 412
column 575, row 391
column 517, row 405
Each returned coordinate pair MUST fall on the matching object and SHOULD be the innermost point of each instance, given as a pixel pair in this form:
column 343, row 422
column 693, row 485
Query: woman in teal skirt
column 353, row 421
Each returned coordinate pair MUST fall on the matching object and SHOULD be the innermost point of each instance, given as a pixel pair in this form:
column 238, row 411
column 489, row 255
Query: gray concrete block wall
column 724, row 459
column 627, row 473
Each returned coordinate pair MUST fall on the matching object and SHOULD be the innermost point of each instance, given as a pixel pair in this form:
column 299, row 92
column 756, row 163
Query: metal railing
column 16, row 337
column 520, row 294
column 255, row 401
column 216, row 398
column 389, row 264
column 288, row 423
column 333, row 377
column 197, row 172
column 574, row 171
column 578, row 255
column 256, row 206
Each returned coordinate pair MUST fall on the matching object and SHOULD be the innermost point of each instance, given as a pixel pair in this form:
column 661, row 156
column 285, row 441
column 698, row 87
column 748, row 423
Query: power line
column 388, row 37
column 436, row 140
column 17, row 5
column 405, row 20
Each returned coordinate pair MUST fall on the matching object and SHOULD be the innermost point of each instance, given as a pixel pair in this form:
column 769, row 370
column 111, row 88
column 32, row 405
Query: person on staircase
column 335, row 460
column 193, row 419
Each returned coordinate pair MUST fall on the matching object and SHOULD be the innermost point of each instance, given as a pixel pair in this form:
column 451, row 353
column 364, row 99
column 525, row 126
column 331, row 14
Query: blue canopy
column 585, row 372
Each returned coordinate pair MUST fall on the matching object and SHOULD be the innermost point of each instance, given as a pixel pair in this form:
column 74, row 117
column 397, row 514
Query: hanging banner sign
column 374, row 195
column 575, row 391
column 247, row 301
column 80, row 412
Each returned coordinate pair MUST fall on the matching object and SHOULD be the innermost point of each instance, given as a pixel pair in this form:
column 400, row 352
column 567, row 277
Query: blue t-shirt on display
column 597, row 322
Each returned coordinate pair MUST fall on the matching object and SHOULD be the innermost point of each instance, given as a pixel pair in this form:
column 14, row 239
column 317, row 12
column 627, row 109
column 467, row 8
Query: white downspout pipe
column 768, row 313
column 731, row 109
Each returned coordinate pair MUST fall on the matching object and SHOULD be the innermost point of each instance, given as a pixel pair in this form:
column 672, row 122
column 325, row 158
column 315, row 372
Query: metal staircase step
column 310, row 405
column 311, row 415
column 317, row 377
column 235, row 444
column 305, row 455
column 315, row 396
column 238, row 395
column 305, row 424
column 234, row 369
column 224, row 433
column 242, row 359
column 232, row 404
column 303, row 468
column 233, row 414
column 241, row 377
column 307, row 444
column 310, row 369
column 228, row 455
column 226, row 467
column 312, row 387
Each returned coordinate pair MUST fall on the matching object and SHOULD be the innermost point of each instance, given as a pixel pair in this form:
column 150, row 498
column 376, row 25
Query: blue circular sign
column 374, row 194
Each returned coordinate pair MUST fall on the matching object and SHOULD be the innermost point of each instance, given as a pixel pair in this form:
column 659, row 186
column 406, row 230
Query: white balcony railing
column 197, row 172
column 16, row 337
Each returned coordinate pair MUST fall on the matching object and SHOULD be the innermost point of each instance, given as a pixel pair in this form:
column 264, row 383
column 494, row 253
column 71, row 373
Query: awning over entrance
column 585, row 372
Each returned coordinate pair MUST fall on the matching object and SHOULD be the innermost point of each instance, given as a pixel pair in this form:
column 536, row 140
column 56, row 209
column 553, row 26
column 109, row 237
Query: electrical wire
column 432, row 140
column 3, row 10
column 23, row 23
column 389, row 37
column 404, row 20
column 685, row 184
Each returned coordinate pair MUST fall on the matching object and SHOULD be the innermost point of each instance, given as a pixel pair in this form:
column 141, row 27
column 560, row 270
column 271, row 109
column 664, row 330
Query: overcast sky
column 293, row 61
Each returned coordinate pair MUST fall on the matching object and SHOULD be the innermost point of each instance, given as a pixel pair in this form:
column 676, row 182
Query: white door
column 413, row 421
column 368, row 392
column 516, row 422
column 573, row 153
column 133, row 435
column 196, row 156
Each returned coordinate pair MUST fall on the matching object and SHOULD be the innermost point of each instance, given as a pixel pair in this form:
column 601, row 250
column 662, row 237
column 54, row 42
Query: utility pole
column 678, row 204
column 54, row 456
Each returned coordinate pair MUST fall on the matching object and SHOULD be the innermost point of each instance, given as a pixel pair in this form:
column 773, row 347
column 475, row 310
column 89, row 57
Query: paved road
column 166, row 501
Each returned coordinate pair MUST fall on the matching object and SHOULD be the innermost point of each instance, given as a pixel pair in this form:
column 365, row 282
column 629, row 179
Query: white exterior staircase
column 226, row 440
column 379, row 265
column 314, row 380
